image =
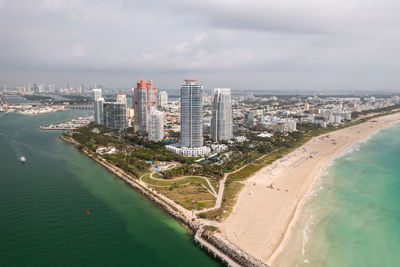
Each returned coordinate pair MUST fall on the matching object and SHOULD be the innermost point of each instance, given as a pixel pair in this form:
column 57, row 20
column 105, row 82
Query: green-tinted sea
column 44, row 204
column 353, row 217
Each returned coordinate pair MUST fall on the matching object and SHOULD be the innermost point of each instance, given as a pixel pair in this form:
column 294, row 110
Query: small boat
column 22, row 159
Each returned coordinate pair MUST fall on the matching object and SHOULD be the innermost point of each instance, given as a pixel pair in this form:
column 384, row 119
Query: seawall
column 215, row 245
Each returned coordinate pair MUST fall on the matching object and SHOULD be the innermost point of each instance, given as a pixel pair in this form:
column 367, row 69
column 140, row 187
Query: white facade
column 162, row 99
column 219, row 147
column 96, row 94
column 189, row 151
column 292, row 125
column 221, row 122
column 156, row 125
column 279, row 124
column 98, row 106
column 241, row 139
column 121, row 98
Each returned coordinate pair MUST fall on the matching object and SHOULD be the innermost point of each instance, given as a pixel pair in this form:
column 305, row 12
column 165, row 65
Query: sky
column 241, row 44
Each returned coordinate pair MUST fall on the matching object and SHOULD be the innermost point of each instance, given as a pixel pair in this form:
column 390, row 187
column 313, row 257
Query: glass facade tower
column 115, row 115
column 191, row 114
column 221, row 121
column 98, row 106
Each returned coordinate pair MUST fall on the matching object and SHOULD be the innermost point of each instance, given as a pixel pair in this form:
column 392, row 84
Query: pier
column 212, row 249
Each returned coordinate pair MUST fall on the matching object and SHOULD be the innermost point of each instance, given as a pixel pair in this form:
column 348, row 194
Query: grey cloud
column 298, row 44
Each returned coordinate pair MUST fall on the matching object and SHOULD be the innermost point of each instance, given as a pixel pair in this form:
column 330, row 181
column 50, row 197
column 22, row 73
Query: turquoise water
column 353, row 218
column 43, row 204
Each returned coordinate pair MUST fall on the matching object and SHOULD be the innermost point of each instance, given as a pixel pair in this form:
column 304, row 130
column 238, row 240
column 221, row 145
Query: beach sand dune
column 263, row 216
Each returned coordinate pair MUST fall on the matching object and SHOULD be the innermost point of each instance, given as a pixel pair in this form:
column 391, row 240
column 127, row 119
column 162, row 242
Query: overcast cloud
column 242, row 44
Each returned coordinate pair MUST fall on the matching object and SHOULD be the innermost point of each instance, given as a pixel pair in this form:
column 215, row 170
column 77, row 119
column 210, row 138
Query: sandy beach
column 263, row 216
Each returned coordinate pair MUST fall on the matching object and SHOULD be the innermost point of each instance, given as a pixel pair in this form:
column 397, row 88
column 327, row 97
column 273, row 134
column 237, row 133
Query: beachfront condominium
column 162, row 99
column 221, row 121
column 114, row 115
column 121, row 98
column 144, row 97
column 98, row 106
column 191, row 114
column 156, row 125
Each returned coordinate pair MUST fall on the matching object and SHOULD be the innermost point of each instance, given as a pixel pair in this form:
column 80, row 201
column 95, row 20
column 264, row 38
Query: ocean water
column 353, row 217
column 44, row 204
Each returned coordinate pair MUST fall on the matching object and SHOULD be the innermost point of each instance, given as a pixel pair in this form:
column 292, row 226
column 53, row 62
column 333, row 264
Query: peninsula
column 243, row 209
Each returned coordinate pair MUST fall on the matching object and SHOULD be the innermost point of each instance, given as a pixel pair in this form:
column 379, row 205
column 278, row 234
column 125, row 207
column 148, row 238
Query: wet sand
column 263, row 216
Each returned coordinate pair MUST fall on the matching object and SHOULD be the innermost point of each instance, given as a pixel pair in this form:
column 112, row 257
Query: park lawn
column 190, row 196
column 168, row 183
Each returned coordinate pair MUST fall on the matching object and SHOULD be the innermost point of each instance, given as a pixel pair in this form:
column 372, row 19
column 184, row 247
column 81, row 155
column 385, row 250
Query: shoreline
column 233, row 225
column 297, row 212
column 213, row 244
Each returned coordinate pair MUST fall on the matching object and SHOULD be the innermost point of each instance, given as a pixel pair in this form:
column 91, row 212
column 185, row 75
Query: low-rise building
column 189, row 151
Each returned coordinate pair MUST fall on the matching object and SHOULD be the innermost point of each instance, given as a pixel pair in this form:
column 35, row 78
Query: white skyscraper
column 96, row 94
column 121, row 99
column 156, row 125
column 98, row 106
column 221, row 121
column 162, row 99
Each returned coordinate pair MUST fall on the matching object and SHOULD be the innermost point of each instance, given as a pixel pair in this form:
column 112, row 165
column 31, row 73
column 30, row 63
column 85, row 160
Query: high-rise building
column 162, row 99
column 156, row 125
column 191, row 114
column 249, row 119
column 115, row 115
column 98, row 106
column 121, row 98
column 98, row 111
column 41, row 88
column 96, row 94
column 221, row 121
column 144, row 97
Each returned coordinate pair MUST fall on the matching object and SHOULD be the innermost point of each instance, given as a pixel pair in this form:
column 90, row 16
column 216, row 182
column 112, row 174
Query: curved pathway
column 212, row 192
column 222, row 187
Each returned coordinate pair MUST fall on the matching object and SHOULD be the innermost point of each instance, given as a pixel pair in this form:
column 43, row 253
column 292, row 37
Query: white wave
column 352, row 149
column 305, row 237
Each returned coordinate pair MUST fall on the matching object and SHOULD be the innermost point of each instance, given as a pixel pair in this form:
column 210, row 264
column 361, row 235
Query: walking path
column 184, row 177
column 212, row 249
column 222, row 188
column 191, row 217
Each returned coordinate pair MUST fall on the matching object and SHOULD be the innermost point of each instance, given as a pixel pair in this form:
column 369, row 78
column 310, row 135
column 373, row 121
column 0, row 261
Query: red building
column 144, row 97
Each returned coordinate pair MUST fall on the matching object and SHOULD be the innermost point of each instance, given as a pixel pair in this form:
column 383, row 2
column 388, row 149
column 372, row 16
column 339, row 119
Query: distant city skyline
column 267, row 45
column 86, row 90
